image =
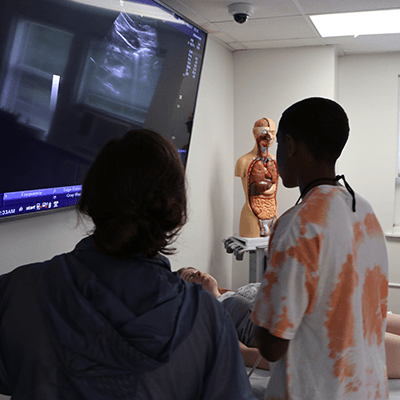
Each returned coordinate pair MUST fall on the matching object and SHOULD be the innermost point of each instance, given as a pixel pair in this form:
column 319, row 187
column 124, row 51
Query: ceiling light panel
column 358, row 23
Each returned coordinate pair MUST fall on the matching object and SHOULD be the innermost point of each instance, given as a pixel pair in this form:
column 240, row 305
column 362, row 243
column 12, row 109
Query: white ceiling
column 284, row 23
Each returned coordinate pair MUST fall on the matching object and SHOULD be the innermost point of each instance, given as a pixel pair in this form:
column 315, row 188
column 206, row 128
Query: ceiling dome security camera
column 241, row 12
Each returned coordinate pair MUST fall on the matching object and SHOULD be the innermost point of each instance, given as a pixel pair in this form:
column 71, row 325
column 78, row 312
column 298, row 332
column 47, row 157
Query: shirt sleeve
column 288, row 289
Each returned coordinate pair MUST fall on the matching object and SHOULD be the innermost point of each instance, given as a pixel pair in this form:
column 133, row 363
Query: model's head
column 135, row 194
column 264, row 132
column 321, row 124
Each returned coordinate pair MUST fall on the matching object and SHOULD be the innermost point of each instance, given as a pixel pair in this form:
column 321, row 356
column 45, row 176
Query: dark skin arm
column 271, row 347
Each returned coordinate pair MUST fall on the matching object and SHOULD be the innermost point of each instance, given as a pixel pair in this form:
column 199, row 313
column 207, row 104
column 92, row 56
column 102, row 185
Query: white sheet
column 259, row 381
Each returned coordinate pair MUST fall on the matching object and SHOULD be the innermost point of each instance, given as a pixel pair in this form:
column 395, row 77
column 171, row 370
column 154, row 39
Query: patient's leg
column 393, row 324
column 392, row 347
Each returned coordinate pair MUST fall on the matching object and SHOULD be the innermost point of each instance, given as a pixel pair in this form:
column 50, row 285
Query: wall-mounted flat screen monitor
column 76, row 73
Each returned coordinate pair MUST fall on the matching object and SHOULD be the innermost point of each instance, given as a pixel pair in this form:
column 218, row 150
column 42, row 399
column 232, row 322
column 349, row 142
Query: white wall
column 210, row 170
column 38, row 238
column 266, row 82
column 368, row 90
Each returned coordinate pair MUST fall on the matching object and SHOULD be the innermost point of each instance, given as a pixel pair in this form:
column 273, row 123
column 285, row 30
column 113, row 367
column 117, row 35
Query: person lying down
column 239, row 306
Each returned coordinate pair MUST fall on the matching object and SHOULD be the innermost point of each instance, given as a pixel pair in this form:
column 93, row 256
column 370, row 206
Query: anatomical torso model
column 259, row 175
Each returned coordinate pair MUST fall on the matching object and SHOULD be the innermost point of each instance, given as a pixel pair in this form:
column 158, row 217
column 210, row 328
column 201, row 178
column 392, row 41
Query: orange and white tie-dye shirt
column 325, row 289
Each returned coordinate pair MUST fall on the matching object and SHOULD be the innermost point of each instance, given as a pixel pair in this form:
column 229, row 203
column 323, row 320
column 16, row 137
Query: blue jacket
column 88, row 326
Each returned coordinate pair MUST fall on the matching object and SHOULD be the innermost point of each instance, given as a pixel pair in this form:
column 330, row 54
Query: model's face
column 264, row 136
column 194, row 275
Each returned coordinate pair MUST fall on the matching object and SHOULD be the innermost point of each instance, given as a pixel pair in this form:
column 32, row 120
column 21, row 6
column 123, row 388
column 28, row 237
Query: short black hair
column 135, row 194
column 321, row 124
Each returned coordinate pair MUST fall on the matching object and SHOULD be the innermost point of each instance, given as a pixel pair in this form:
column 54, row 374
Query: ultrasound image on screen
column 73, row 76
column 128, row 54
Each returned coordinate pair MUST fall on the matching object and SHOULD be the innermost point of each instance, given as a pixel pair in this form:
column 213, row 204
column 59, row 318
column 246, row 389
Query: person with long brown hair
column 109, row 320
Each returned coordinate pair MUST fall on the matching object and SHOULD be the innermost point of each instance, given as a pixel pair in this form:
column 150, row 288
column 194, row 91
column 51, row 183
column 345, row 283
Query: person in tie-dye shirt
column 321, row 308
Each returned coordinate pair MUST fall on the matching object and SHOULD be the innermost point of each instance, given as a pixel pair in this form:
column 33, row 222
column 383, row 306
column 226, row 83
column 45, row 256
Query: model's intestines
column 262, row 179
column 259, row 174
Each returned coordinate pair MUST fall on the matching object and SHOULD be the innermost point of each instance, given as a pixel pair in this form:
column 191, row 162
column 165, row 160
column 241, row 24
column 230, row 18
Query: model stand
column 257, row 248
